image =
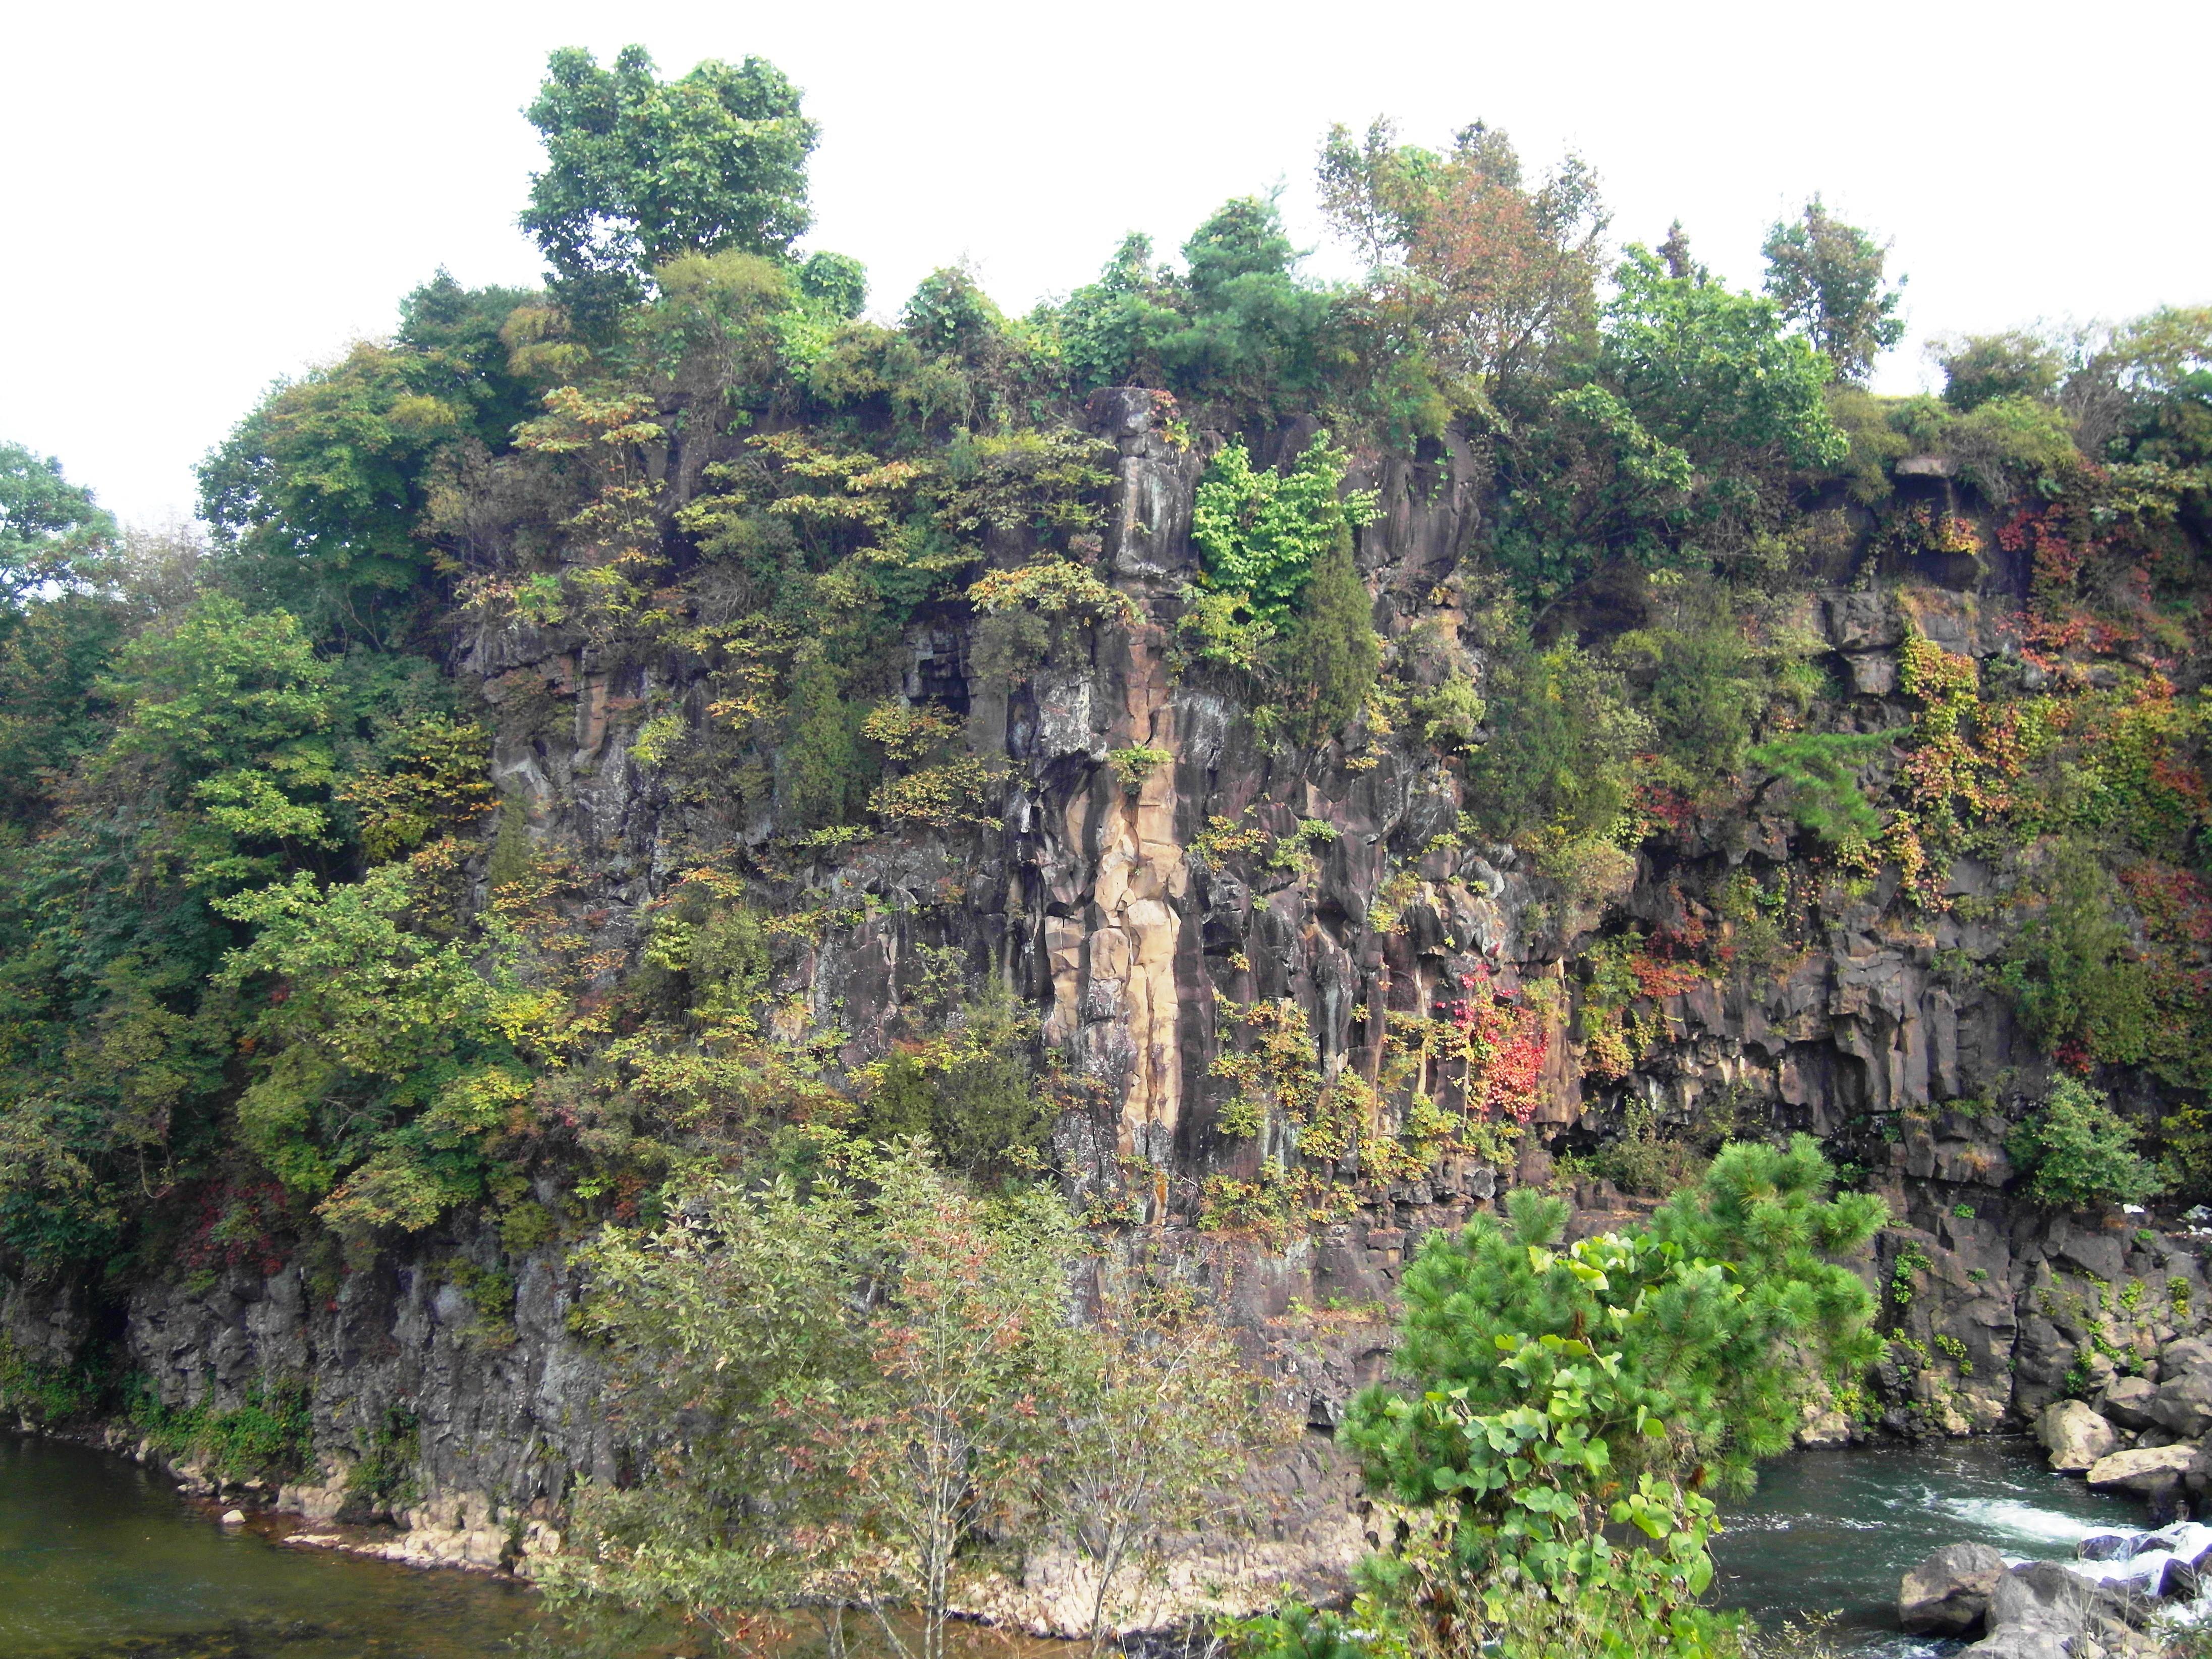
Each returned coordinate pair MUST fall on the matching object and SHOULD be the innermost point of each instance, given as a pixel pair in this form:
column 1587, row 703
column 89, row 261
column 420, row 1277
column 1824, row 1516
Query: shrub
column 1558, row 762
column 1262, row 532
column 977, row 1100
column 2071, row 969
column 2079, row 1153
column 1329, row 652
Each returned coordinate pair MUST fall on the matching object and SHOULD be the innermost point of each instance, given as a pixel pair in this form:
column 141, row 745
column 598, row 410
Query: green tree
column 2078, row 1153
column 1827, row 276
column 1674, row 440
column 1253, row 336
column 1979, row 367
column 1545, row 1391
column 1818, row 772
column 52, row 532
column 639, row 170
column 815, row 1448
column 318, row 499
column 1329, row 651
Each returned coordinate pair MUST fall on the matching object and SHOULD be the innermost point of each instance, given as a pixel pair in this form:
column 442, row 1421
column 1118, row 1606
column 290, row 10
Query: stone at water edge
column 2075, row 1436
column 234, row 1517
column 1947, row 1594
column 2153, row 1471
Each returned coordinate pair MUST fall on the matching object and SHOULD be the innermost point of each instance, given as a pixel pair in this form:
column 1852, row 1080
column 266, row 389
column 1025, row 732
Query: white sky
column 202, row 198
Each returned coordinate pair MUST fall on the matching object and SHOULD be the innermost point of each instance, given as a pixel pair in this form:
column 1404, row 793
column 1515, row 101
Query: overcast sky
column 207, row 197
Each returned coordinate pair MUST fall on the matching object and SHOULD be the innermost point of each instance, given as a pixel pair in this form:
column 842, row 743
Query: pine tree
column 1330, row 651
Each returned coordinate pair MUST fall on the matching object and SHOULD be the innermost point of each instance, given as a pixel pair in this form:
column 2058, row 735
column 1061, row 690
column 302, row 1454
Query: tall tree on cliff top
column 1828, row 276
column 1486, row 271
column 640, row 170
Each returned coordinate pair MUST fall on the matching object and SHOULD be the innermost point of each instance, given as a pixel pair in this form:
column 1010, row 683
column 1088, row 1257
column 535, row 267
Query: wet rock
column 1947, row 1594
column 2075, row 1437
column 2150, row 1471
column 234, row 1517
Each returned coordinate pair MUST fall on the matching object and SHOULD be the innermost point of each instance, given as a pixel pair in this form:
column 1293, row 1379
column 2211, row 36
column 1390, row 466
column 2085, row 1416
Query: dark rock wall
column 1091, row 905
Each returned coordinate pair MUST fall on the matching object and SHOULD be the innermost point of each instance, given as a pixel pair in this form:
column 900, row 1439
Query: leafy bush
column 1261, row 532
column 1979, row 368
column 2071, row 968
column 2079, row 1153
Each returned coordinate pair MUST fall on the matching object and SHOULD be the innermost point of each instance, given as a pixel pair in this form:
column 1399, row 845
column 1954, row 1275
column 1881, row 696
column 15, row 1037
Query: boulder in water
column 2106, row 1546
column 2153, row 1471
column 2127, row 1401
column 2036, row 1612
column 1947, row 1594
column 2075, row 1436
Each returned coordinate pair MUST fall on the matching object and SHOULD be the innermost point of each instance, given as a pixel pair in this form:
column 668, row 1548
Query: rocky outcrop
column 2153, row 1471
column 1947, row 1594
column 1093, row 901
column 2075, row 1436
column 2042, row 1611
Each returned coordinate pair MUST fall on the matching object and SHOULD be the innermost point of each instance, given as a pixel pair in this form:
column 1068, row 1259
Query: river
column 1835, row 1530
column 99, row 1559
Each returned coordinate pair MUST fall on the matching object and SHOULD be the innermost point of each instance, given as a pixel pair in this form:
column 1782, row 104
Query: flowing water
column 1835, row 1530
column 99, row 1559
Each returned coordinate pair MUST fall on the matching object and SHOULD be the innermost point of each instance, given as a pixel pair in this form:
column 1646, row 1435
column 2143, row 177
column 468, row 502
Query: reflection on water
column 99, row 1560
column 1837, row 1530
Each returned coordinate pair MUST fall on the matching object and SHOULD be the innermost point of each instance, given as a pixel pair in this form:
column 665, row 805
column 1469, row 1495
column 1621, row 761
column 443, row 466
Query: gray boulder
column 2153, row 1471
column 2184, row 1403
column 2127, row 1401
column 2075, row 1436
column 2187, row 1354
column 1947, row 1594
column 2040, row 1611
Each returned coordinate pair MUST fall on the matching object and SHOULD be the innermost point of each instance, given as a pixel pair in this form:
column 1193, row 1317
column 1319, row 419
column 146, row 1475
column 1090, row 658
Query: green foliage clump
column 50, row 530
column 1979, row 368
column 2071, row 966
column 640, row 170
column 2078, row 1153
column 972, row 1093
column 270, row 1437
column 1818, row 772
column 1548, row 1391
column 1261, row 532
column 1828, row 277
column 1558, row 766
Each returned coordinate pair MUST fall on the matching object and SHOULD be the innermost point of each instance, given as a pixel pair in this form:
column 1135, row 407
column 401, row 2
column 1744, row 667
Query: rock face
column 2184, row 1403
column 2075, row 1436
column 1947, row 1594
column 1094, row 900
